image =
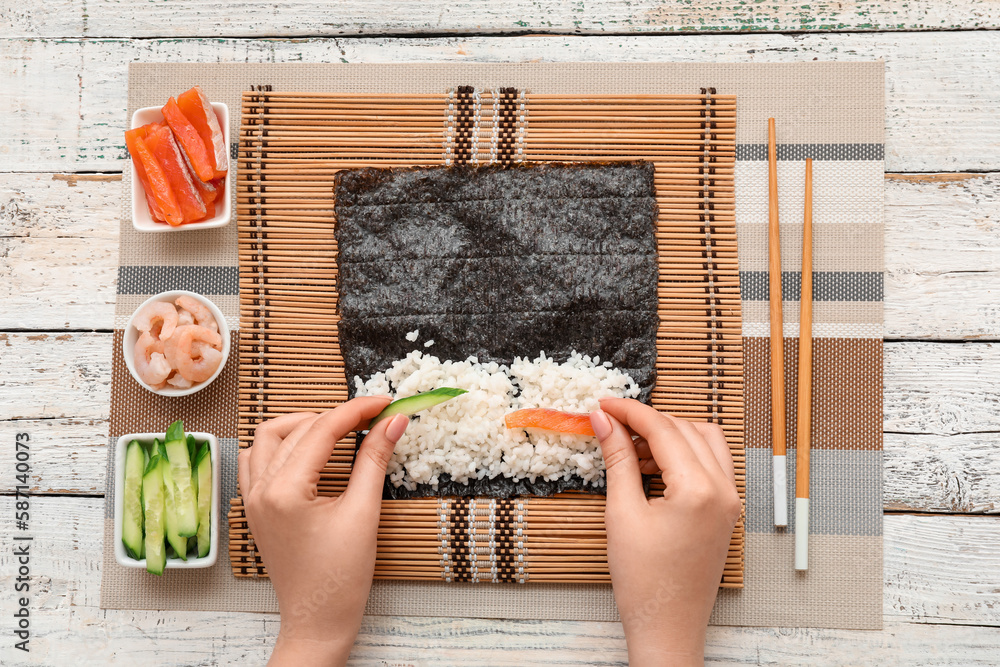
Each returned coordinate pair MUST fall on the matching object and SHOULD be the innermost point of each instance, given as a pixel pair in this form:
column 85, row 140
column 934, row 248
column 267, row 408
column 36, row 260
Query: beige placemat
column 832, row 112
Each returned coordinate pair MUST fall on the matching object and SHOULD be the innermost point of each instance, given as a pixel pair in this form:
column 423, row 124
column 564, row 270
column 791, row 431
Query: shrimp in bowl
column 176, row 343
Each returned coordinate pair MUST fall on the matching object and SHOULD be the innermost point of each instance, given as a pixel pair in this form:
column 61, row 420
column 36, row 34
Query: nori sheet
column 498, row 262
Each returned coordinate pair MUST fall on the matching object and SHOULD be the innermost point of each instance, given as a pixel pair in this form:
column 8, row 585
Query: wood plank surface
column 941, row 87
column 64, row 107
column 59, row 242
column 54, row 376
column 942, row 388
column 942, row 410
column 938, row 583
column 942, row 256
column 942, row 264
column 296, row 18
column 942, row 473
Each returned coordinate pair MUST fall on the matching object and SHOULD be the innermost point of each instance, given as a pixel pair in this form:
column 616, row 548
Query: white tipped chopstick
column 805, row 388
column 777, row 335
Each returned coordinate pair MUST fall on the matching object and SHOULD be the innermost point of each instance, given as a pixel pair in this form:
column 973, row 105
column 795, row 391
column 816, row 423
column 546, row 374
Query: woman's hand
column 666, row 555
column 319, row 551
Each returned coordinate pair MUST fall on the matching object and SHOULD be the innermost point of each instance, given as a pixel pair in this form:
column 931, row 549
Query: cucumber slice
column 132, row 500
column 192, row 456
column 203, row 470
column 414, row 404
column 192, row 449
column 184, row 503
column 177, row 541
column 142, row 502
column 153, row 506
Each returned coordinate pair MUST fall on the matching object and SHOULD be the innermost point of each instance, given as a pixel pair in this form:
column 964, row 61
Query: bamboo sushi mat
column 832, row 112
column 291, row 145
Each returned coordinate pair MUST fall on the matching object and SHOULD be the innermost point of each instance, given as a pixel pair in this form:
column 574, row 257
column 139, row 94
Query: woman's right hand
column 666, row 555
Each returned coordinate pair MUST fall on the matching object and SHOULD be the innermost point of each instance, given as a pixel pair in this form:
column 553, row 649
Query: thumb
column 621, row 462
column 368, row 474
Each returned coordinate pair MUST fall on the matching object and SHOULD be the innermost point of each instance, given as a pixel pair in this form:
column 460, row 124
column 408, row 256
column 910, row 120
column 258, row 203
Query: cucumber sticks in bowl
column 152, row 502
column 179, row 456
column 132, row 512
column 167, row 499
column 203, row 478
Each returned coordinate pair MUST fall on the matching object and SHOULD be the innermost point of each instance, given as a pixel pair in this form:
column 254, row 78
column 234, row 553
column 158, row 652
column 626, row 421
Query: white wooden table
column 63, row 69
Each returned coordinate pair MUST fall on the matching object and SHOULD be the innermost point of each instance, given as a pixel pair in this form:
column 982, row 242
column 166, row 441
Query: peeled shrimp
column 194, row 362
column 178, row 381
column 202, row 315
column 160, row 313
column 150, row 362
column 184, row 316
column 206, row 356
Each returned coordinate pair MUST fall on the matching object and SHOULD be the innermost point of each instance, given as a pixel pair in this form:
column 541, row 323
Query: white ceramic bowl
column 141, row 219
column 121, row 556
column 132, row 335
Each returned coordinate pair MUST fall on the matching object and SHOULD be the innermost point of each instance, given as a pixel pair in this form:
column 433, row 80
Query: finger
column 702, row 450
column 642, row 449
column 368, row 473
column 266, row 439
column 621, row 465
column 667, row 445
column 285, row 448
column 648, row 467
column 243, row 471
column 310, row 454
column 716, row 439
column 647, row 464
column 628, row 428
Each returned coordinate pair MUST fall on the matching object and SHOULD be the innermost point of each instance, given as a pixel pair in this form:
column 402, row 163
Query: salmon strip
column 199, row 111
column 163, row 147
column 208, row 191
column 550, row 420
column 190, row 140
column 160, row 197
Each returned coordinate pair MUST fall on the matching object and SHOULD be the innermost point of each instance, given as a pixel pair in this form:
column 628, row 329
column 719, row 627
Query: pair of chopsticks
column 778, row 363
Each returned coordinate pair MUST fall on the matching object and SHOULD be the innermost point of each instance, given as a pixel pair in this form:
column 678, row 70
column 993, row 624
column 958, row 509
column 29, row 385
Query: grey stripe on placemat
column 229, row 449
column 839, row 478
column 827, row 285
column 109, row 481
column 814, row 151
column 201, row 279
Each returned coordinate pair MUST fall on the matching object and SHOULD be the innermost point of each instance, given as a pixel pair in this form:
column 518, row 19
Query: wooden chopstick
column 777, row 334
column 805, row 387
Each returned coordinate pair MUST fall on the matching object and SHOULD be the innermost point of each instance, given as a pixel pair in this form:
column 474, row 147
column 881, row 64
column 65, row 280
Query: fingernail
column 601, row 424
column 397, row 426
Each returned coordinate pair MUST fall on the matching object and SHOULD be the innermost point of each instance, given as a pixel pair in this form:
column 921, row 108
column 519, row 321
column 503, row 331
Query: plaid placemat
column 832, row 112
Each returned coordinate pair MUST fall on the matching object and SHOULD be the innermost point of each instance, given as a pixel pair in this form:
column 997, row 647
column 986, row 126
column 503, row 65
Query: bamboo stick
column 373, row 103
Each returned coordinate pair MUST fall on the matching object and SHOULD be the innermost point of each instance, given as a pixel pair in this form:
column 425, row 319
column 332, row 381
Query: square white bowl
column 121, row 556
column 141, row 219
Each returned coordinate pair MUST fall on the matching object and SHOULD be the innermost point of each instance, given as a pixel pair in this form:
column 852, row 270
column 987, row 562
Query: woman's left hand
column 319, row 551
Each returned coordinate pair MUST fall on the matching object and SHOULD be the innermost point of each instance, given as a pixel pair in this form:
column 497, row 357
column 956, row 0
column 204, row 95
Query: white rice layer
column 466, row 436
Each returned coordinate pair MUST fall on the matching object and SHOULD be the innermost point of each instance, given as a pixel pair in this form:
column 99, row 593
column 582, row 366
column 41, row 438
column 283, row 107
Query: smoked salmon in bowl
column 168, row 193
column 176, row 343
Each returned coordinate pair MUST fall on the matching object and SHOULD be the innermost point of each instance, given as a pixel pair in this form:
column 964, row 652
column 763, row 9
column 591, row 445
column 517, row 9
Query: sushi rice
column 466, row 436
